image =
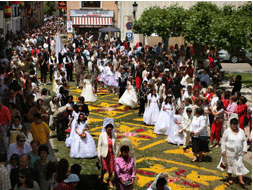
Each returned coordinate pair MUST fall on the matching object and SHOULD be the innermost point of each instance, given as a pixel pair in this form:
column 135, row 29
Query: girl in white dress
column 87, row 91
column 152, row 110
column 165, row 118
column 110, row 81
column 83, row 145
column 233, row 147
column 129, row 98
column 72, row 124
column 175, row 135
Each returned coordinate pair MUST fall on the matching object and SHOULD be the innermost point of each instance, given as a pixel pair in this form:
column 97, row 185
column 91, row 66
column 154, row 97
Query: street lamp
column 134, row 8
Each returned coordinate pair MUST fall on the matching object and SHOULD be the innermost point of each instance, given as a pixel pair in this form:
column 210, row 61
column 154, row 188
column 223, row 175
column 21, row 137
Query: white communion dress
column 72, row 134
column 234, row 145
column 129, row 98
column 174, row 134
column 87, row 91
column 83, row 147
column 152, row 111
column 165, row 119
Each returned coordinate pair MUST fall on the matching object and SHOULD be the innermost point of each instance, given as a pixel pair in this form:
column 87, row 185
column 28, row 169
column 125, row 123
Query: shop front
column 91, row 20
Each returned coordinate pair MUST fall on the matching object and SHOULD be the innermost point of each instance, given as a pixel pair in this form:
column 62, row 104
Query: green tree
column 197, row 30
column 233, row 29
column 49, row 7
column 165, row 22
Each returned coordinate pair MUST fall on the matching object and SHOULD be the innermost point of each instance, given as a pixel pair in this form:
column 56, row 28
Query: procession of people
column 181, row 100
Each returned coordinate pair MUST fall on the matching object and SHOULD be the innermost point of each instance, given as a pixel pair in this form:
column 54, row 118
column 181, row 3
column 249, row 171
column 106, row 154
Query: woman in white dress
column 129, row 98
column 72, row 124
column 233, row 147
column 165, row 118
column 83, row 145
column 110, row 81
column 175, row 135
column 87, row 91
column 152, row 110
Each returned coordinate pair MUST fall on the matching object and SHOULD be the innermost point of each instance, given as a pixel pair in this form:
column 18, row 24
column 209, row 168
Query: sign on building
column 130, row 36
column 91, row 13
column 69, row 26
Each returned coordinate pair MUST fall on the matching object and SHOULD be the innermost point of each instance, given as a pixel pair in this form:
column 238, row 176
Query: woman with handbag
column 233, row 147
column 107, row 146
column 198, row 130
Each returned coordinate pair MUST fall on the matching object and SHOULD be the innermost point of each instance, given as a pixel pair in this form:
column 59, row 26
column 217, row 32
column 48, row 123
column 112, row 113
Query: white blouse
column 198, row 126
column 233, row 144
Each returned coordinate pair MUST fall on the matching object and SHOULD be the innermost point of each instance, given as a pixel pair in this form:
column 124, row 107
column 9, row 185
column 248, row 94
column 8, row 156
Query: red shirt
column 190, row 71
column 208, row 96
column 65, row 186
column 5, row 115
column 198, row 86
column 211, row 62
column 225, row 102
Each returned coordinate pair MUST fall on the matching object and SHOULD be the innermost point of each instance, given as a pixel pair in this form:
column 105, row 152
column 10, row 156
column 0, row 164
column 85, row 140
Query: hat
column 72, row 178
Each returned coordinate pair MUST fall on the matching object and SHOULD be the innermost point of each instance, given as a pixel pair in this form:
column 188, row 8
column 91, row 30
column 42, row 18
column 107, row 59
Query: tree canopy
column 49, row 7
column 204, row 24
column 165, row 22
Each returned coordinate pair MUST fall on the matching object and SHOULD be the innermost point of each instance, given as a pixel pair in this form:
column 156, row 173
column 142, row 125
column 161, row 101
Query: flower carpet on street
column 152, row 152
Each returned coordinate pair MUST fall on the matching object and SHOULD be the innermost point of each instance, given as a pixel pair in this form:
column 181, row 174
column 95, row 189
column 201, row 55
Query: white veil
column 106, row 122
column 232, row 116
column 125, row 141
column 160, row 175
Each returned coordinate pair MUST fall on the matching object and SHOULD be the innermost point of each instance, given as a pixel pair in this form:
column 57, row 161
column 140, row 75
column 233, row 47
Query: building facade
column 17, row 15
column 92, row 15
column 126, row 15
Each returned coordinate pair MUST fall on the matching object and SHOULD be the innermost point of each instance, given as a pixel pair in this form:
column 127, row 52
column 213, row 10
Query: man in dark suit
column 78, row 41
column 122, row 84
column 142, row 97
column 13, row 98
column 65, row 95
column 24, row 162
column 85, row 109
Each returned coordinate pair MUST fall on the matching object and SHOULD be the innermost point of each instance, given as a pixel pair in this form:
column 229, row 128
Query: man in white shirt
column 188, row 92
column 184, row 79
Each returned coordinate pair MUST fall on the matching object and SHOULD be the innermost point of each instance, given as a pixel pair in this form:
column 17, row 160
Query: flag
column 58, row 46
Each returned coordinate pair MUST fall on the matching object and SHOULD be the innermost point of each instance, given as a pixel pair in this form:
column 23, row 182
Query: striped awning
column 104, row 21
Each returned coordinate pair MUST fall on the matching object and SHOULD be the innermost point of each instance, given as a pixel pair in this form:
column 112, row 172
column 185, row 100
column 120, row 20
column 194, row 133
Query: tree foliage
column 49, row 7
column 204, row 24
column 165, row 22
column 197, row 25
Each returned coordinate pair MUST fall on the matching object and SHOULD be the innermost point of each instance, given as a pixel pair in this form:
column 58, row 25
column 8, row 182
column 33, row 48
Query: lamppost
column 135, row 5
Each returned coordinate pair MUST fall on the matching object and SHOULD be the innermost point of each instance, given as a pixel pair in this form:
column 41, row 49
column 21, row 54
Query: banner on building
column 7, row 11
column 69, row 26
column 15, row 2
column 62, row 4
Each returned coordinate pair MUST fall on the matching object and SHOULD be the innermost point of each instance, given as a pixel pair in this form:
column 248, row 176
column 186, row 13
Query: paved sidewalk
column 247, row 92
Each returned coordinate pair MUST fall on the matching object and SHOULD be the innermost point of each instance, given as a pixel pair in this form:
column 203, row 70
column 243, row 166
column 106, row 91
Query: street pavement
column 236, row 67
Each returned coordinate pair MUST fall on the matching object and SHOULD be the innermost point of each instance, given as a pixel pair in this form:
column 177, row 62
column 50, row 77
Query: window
column 91, row 4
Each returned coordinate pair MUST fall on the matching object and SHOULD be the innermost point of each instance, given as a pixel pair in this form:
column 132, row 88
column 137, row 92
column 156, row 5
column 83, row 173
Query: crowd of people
column 180, row 99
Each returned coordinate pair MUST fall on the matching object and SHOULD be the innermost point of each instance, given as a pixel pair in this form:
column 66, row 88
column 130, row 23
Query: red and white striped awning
column 105, row 21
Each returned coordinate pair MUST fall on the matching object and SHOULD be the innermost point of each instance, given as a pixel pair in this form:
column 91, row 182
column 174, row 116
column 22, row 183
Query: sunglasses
column 22, row 177
column 22, row 140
